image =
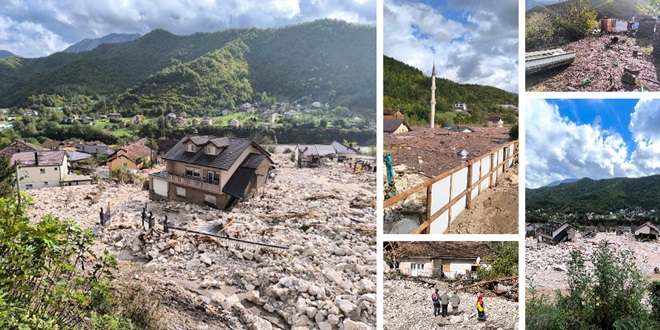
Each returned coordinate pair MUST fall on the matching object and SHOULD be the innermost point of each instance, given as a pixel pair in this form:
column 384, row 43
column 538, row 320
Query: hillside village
column 272, row 219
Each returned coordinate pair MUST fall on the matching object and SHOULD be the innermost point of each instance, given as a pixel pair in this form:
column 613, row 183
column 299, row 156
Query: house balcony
column 199, row 184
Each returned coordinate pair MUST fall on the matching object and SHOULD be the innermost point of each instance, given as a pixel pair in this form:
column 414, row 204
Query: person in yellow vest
column 481, row 315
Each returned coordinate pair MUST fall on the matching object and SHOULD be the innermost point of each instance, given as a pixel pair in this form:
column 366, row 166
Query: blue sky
column 456, row 35
column 35, row 28
column 595, row 138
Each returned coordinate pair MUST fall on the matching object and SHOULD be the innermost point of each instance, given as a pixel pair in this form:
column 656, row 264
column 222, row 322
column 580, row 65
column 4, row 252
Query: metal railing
column 194, row 183
column 475, row 175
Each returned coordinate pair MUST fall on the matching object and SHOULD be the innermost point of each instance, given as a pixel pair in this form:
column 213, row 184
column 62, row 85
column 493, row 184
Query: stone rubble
column 326, row 216
column 546, row 265
column 407, row 305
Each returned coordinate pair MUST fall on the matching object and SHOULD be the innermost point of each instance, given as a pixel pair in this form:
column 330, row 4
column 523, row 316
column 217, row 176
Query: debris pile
column 325, row 216
column 546, row 265
column 602, row 64
column 407, row 305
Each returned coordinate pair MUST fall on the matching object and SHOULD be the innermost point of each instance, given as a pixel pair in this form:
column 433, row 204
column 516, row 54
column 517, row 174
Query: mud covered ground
column 494, row 211
column 602, row 60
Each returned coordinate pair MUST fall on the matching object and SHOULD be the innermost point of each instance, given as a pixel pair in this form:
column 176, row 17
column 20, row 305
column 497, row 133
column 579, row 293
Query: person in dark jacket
column 436, row 303
column 444, row 299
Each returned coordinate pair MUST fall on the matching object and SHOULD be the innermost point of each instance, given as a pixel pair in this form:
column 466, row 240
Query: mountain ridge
column 90, row 44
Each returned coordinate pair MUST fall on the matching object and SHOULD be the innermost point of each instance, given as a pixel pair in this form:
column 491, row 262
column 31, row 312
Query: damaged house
column 212, row 171
column 646, row 231
column 311, row 155
column 553, row 233
column 452, row 260
column 43, row 169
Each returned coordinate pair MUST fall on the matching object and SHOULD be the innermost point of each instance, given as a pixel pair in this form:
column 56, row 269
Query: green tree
column 578, row 21
column 503, row 264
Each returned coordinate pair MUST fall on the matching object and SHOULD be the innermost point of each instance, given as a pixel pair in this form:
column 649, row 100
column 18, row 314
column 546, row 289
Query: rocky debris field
column 407, row 305
column 326, row 279
column 600, row 59
column 546, row 265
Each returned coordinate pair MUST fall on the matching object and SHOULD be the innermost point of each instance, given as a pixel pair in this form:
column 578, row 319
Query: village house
column 393, row 114
column 41, row 169
column 646, row 231
column 95, row 148
column 452, row 260
column 311, row 155
column 137, row 119
column 395, row 126
column 460, row 107
column 554, row 233
column 211, row 171
column 233, row 122
column 19, row 146
column 495, row 121
column 134, row 157
column 114, row 115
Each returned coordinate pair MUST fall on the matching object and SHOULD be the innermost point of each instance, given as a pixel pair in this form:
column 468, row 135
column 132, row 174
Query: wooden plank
column 469, row 188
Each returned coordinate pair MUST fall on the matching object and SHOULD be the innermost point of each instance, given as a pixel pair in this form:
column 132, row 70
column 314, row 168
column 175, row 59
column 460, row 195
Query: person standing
column 436, row 303
column 481, row 314
column 444, row 299
column 455, row 301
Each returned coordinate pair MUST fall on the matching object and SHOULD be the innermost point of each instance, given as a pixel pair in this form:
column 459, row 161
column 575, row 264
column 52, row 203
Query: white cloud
column 558, row 149
column 40, row 27
column 482, row 52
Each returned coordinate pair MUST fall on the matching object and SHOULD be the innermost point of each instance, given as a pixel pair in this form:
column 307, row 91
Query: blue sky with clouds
column 595, row 138
column 35, row 28
column 470, row 41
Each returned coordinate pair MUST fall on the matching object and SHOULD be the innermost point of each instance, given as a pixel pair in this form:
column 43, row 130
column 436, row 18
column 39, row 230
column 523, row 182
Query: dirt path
column 494, row 211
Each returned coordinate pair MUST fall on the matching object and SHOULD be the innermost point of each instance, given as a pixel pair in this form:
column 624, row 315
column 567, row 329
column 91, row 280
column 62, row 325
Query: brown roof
column 135, row 151
column 19, row 146
column 392, row 124
column 437, row 249
column 51, row 144
column 45, row 158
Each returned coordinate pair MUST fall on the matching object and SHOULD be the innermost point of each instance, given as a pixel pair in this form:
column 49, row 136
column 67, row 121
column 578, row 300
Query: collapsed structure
column 212, row 171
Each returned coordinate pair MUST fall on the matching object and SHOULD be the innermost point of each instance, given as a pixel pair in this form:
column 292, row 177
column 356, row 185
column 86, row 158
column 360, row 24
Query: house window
column 42, row 171
column 28, row 186
column 417, row 266
column 210, row 150
column 181, row 191
column 193, row 172
column 209, row 199
column 213, row 177
column 56, row 169
column 45, row 183
column 191, row 147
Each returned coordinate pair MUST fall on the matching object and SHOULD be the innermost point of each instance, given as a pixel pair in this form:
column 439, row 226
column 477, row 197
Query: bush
column 513, row 133
column 271, row 149
column 609, row 297
column 539, row 30
column 578, row 21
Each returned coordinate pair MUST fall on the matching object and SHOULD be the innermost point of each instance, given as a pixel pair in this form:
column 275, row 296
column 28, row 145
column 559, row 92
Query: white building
column 41, row 169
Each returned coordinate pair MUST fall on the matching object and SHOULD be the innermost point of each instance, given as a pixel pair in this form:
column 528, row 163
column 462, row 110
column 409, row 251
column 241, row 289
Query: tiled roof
column 231, row 149
column 164, row 145
column 75, row 156
column 100, row 149
column 135, row 151
column 391, row 124
column 238, row 182
column 19, row 146
column 46, row 158
column 253, row 160
column 437, row 249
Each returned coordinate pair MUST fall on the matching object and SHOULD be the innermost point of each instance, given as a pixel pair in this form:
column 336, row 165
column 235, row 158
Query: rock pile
column 326, row 216
column 546, row 265
column 407, row 305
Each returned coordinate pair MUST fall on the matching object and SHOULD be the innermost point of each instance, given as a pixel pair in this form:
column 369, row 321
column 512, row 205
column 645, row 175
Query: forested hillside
column 598, row 196
column 621, row 9
column 407, row 89
column 328, row 61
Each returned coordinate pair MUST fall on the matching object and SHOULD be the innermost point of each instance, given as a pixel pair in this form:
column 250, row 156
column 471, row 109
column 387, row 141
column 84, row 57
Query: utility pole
column 18, row 182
